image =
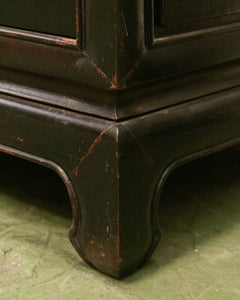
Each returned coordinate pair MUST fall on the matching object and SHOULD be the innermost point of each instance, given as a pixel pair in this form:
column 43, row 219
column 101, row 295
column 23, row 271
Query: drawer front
column 55, row 17
column 174, row 17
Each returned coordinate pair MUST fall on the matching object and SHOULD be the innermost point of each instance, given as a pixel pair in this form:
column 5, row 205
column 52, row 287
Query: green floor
column 198, row 258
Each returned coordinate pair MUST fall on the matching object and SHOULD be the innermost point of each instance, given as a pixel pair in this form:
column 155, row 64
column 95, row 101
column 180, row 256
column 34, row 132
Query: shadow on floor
column 34, row 184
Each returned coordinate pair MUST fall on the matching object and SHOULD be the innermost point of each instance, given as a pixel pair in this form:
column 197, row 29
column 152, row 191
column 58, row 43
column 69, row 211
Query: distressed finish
column 113, row 112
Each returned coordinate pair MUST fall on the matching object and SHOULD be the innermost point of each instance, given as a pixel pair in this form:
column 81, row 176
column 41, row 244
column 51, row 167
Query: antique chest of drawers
column 113, row 95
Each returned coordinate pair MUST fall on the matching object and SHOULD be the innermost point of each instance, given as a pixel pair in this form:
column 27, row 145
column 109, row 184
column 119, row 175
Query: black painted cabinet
column 113, row 95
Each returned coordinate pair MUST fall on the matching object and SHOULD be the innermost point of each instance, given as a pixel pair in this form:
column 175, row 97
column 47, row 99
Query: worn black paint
column 113, row 112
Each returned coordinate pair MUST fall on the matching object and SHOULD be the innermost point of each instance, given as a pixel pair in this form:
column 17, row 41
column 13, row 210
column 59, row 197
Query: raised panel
column 55, row 17
column 175, row 17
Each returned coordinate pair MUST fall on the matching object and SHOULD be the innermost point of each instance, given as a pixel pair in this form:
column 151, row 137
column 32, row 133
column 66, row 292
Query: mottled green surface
column 199, row 257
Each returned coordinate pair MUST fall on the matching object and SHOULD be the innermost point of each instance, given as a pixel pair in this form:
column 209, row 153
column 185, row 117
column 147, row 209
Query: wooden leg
column 115, row 233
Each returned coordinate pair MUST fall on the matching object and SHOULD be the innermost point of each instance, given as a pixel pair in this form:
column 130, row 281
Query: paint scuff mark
column 119, row 260
column 130, row 73
column 20, row 139
column 106, row 166
column 101, row 73
column 118, row 176
column 90, row 150
column 72, row 100
column 109, row 230
column 115, row 77
column 67, row 40
column 124, row 25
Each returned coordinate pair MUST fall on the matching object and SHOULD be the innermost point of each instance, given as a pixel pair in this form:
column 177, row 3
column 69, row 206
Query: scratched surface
column 199, row 257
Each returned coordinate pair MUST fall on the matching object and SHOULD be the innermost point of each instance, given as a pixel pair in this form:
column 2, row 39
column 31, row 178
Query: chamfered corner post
column 115, row 233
